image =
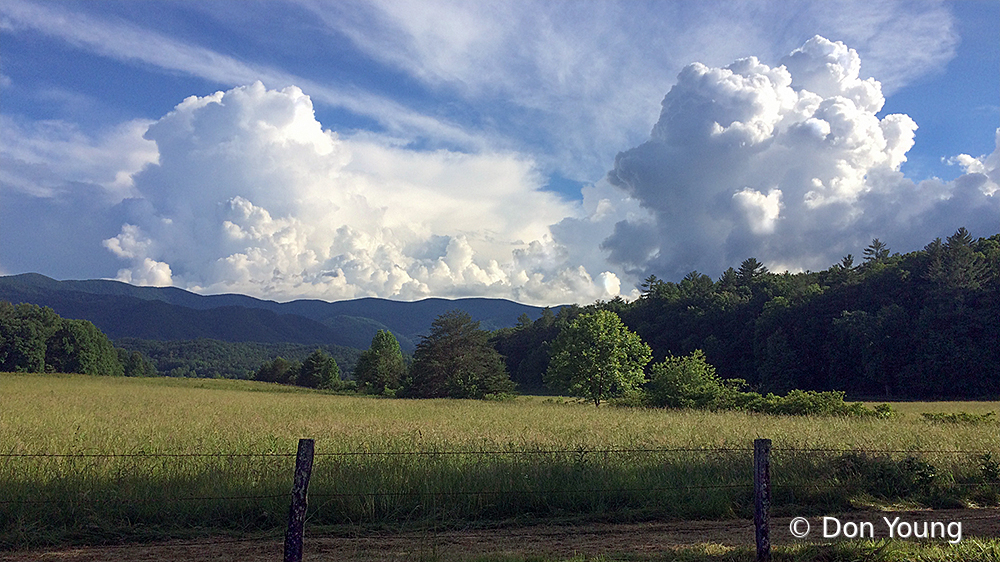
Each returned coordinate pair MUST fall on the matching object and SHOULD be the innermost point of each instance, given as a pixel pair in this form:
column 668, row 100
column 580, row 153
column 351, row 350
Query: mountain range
column 121, row 310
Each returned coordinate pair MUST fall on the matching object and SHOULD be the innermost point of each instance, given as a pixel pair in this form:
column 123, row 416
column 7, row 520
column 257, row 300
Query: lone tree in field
column 381, row 366
column 597, row 357
column 456, row 360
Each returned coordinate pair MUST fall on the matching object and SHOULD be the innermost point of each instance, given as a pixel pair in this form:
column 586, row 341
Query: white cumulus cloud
column 250, row 194
column 788, row 163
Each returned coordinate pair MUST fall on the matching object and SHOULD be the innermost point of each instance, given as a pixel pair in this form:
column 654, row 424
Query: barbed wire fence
column 758, row 480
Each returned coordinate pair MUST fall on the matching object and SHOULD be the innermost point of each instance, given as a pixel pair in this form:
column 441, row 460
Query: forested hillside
column 168, row 313
column 36, row 339
column 920, row 325
column 231, row 360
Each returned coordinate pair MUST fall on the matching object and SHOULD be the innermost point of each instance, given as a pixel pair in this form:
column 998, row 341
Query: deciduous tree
column 597, row 357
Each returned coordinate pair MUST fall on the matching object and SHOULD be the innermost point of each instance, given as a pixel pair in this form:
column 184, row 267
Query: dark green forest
column 925, row 324
column 207, row 358
column 35, row 339
column 920, row 325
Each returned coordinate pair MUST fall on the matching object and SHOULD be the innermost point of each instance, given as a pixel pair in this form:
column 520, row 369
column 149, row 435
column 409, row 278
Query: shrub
column 684, row 382
column 960, row 417
column 691, row 382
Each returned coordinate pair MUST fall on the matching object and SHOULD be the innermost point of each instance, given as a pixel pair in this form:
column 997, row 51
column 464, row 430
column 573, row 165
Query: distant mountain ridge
column 121, row 310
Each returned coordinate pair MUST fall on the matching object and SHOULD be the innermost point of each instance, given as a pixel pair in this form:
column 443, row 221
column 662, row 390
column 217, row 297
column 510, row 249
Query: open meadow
column 91, row 460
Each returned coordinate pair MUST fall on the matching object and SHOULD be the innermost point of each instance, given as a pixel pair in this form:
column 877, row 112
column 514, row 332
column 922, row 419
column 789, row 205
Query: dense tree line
column 455, row 360
column 318, row 370
column 925, row 324
column 208, row 358
column 37, row 340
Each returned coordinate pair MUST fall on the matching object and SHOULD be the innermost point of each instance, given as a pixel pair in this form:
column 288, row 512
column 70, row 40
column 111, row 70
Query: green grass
column 971, row 550
column 438, row 463
column 915, row 409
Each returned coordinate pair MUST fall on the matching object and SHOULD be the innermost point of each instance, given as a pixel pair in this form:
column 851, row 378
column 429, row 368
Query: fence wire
column 472, row 453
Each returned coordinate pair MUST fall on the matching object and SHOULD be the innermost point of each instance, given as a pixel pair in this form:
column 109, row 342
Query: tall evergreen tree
column 456, row 360
column 876, row 252
column 381, row 368
column 319, row 370
column 750, row 270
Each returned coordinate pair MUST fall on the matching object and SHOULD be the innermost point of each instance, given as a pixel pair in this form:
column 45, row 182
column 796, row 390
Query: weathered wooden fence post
column 762, row 497
column 297, row 513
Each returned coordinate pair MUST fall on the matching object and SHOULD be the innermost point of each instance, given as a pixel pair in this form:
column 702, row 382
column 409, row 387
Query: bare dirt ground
column 635, row 539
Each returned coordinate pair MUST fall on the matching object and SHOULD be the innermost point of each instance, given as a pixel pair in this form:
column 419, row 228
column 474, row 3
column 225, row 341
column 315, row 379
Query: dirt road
column 552, row 540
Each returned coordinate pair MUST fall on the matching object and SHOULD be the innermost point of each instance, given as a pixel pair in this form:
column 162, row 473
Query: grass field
column 401, row 464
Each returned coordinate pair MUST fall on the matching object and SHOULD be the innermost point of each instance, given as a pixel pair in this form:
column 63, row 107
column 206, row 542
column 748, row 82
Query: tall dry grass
column 398, row 462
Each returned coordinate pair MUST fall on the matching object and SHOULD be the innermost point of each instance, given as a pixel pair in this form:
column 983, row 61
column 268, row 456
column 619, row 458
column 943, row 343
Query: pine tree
column 456, row 360
column 319, row 370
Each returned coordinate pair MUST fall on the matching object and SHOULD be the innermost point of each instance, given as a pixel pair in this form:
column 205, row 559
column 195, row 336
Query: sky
column 546, row 152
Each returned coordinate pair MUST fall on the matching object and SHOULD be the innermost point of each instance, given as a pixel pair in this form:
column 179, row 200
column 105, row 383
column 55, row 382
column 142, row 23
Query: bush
column 684, row 382
column 807, row 403
column 960, row 418
column 691, row 382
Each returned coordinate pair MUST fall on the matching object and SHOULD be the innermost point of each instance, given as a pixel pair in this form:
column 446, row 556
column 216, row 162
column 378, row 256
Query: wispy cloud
column 570, row 82
column 126, row 42
column 586, row 78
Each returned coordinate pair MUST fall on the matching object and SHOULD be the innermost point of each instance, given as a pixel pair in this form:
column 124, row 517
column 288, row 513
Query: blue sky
column 546, row 152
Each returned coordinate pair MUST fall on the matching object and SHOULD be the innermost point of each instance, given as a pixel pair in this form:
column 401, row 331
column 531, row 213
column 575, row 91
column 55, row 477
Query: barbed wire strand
column 530, row 492
column 746, row 485
column 886, row 451
column 171, row 543
column 142, row 455
column 378, row 494
column 144, row 500
column 384, row 453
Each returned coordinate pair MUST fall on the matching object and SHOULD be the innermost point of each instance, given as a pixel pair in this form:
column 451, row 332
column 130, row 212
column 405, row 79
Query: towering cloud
column 789, row 161
column 790, row 164
column 251, row 194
